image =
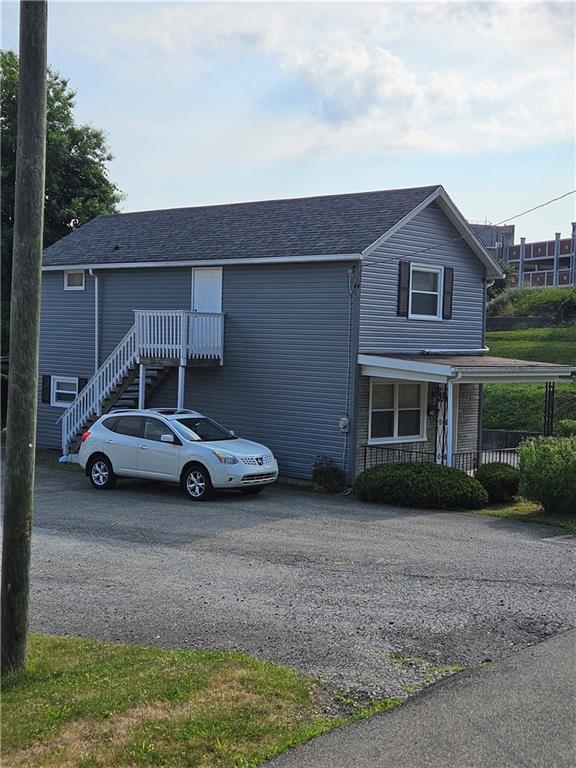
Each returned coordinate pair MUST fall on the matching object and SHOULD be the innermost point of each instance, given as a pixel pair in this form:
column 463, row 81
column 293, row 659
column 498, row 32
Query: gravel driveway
column 368, row 597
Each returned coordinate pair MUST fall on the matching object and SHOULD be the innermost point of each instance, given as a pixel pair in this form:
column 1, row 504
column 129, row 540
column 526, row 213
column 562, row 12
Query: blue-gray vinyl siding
column 66, row 344
column 285, row 375
column 124, row 290
column 289, row 356
column 381, row 329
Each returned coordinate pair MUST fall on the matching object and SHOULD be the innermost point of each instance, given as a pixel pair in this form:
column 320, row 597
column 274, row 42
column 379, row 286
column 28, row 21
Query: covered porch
column 427, row 407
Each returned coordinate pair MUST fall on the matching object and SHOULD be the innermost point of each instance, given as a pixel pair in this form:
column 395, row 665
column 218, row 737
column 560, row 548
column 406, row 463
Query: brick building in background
column 544, row 263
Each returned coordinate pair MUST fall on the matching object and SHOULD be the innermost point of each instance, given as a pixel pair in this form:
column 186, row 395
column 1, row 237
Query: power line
column 497, row 224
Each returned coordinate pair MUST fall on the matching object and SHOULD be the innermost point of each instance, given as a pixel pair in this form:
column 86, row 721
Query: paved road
column 515, row 713
column 328, row 585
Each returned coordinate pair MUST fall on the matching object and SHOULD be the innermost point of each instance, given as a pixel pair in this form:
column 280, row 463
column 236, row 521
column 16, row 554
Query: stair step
column 129, row 387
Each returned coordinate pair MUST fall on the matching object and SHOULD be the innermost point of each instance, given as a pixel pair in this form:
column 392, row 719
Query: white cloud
column 436, row 77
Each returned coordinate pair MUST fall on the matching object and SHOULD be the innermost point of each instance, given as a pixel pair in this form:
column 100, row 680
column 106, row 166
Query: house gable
column 462, row 227
column 430, row 240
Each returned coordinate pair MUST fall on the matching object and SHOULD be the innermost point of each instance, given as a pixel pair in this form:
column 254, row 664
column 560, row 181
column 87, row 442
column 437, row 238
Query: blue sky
column 217, row 102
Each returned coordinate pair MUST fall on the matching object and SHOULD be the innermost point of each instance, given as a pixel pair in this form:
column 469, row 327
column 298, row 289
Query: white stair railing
column 178, row 334
column 89, row 401
column 160, row 333
column 167, row 334
column 206, row 335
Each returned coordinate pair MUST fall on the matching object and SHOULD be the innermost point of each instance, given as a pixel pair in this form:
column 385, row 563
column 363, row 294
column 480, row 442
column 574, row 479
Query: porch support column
column 142, row 387
column 181, row 381
column 450, row 424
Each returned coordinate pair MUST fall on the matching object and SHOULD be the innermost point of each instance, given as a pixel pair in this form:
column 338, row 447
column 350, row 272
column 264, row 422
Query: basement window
column 74, row 280
column 63, row 390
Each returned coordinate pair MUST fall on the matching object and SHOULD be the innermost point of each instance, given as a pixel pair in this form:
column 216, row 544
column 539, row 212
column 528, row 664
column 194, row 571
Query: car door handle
column 144, row 447
column 110, row 441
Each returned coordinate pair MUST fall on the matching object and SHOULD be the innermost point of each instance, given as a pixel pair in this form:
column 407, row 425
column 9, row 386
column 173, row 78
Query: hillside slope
column 521, row 406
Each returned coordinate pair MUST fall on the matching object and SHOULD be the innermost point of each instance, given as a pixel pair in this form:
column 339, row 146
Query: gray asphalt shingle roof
column 308, row 226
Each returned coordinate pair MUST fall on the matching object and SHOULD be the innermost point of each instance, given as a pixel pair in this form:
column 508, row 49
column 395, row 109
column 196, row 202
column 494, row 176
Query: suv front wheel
column 101, row 473
column 197, row 484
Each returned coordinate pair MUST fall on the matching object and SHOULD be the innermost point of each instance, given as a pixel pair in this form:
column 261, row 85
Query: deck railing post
column 138, row 332
column 183, row 337
column 221, row 321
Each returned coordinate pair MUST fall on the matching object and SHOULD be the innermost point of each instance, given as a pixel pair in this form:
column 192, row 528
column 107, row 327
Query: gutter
column 480, row 351
column 206, row 262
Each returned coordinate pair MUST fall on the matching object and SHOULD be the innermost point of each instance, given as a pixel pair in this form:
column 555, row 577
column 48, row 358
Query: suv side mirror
column 166, row 438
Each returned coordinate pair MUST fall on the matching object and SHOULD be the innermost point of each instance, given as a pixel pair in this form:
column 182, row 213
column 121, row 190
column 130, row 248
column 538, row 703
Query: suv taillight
column 86, row 435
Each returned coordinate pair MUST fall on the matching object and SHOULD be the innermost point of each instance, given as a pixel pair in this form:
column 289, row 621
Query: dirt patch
column 97, row 743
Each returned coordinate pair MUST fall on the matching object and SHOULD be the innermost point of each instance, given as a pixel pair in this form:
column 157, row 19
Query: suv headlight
column 225, row 458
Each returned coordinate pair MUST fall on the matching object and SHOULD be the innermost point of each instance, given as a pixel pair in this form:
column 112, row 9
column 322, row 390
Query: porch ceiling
column 464, row 369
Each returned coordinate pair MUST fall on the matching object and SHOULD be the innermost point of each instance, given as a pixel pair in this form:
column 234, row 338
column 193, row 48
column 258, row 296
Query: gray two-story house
column 350, row 326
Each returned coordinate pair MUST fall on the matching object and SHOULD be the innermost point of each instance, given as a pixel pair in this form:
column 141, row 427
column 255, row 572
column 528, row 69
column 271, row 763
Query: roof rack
column 170, row 411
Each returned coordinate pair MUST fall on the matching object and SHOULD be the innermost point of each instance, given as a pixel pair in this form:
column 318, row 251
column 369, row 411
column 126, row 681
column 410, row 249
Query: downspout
column 96, row 320
column 350, row 419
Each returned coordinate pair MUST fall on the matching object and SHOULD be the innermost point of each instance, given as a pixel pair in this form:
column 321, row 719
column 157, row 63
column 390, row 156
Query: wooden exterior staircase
column 156, row 342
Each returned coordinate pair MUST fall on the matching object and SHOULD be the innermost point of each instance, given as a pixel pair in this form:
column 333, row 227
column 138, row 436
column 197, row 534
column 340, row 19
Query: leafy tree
column 504, row 284
column 77, row 183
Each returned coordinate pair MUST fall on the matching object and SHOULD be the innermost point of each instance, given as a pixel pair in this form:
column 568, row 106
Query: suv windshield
column 202, row 429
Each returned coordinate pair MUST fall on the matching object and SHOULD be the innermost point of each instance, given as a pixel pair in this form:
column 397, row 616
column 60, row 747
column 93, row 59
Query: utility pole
column 25, row 325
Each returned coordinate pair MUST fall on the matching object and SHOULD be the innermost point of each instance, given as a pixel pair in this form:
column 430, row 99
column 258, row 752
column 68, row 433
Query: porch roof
column 462, row 368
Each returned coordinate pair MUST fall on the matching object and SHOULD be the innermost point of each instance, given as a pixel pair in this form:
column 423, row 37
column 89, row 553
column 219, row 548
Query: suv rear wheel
column 101, row 473
column 197, row 484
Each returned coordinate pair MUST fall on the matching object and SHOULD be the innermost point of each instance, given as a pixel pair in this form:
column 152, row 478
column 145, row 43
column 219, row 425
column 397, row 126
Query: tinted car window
column 111, row 423
column 155, row 428
column 130, row 425
column 203, row 429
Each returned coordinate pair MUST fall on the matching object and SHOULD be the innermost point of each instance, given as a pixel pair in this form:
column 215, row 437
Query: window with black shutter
column 448, row 289
column 403, row 288
column 46, row 388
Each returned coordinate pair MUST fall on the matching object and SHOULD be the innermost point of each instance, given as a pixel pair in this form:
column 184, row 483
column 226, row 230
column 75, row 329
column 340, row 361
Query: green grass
column 88, row 704
column 49, row 459
column 521, row 406
column 548, row 345
column 530, row 512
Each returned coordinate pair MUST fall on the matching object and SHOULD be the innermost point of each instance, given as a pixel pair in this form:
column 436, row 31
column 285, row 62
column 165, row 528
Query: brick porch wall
column 467, row 434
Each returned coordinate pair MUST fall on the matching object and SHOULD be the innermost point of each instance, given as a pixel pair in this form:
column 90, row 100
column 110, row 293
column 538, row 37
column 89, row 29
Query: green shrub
column 499, row 480
column 328, row 475
column 557, row 303
column 420, row 485
column 548, row 472
column 501, row 306
column 566, row 427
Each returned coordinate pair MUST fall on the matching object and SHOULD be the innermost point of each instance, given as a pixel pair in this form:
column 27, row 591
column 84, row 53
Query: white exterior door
column 207, row 289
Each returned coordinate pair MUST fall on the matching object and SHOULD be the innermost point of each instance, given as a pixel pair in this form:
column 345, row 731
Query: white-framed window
column 74, row 280
column 397, row 411
column 425, row 301
column 63, row 390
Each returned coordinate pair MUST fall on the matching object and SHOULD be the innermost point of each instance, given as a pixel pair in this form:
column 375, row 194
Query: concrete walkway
column 519, row 712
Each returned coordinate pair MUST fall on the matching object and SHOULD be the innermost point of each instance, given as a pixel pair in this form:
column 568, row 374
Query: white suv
column 176, row 445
